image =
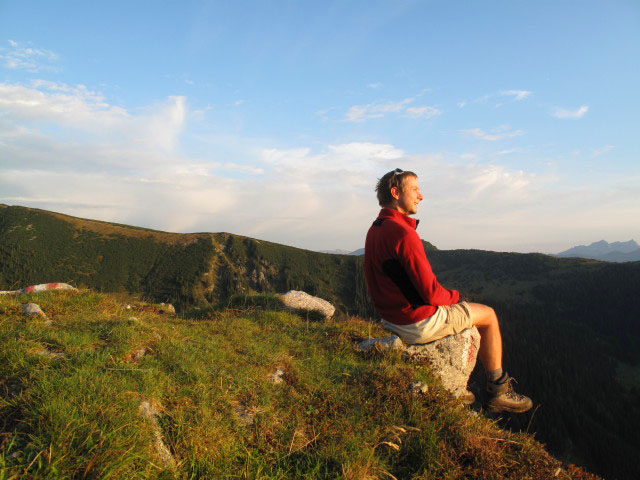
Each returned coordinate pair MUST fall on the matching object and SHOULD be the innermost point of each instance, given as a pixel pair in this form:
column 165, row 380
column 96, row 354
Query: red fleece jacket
column 401, row 283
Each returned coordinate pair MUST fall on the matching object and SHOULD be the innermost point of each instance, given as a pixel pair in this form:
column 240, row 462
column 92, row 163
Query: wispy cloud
column 489, row 177
column 601, row 151
column 20, row 56
column 517, row 94
column 563, row 113
column 422, row 112
column 360, row 113
column 494, row 134
column 374, row 85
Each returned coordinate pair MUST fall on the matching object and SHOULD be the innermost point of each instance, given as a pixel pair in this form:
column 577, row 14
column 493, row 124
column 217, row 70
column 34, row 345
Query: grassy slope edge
column 338, row 413
column 37, row 246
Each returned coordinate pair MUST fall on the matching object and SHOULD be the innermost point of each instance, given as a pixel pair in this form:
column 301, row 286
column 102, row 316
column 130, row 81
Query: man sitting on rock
column 412, row 303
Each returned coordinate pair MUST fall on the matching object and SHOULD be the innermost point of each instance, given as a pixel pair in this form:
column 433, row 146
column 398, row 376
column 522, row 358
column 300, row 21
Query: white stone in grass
column 418, row 387
column 276, row 377
column 43, row 352
column 34, row 309
column 167, row 308
column 242, row 414
column 298, row 300
column 385, row 343
column 138, row 354
column 149, row 411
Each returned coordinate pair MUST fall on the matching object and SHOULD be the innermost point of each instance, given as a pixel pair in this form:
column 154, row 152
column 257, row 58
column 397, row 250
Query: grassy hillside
column 104, row 392
column 184, row 269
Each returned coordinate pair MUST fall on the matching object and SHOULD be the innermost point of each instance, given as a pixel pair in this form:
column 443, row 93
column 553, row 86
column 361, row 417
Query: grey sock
column 494, row 375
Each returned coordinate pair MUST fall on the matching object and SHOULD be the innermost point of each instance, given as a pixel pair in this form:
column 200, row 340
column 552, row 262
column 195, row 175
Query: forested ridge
column 184, row 269
column 570, row 325
column 570, row 329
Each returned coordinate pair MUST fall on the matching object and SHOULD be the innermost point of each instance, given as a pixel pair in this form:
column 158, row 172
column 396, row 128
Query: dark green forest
column 570, row 326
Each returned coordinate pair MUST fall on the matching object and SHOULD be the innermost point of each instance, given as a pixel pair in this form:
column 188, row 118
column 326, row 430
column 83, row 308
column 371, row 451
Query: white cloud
column 497, row 133
column 343, row 165
column 517, row 94
column 48, row 103
column 601, row 151
column 578, row 113
column 360, row 113
column 19, row 56
column 156, row 202
column 374, row 85
column 422, row 112
column 66, row 148
column 488, row 177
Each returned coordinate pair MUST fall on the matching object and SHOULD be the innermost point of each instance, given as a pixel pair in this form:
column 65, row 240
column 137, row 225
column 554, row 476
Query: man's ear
column 395, row 192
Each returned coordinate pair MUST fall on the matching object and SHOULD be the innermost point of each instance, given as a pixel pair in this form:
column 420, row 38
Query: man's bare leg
column 502, row 397
column 486, row 321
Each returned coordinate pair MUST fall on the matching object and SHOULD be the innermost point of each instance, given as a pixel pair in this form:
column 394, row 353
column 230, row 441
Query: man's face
column 408, row 199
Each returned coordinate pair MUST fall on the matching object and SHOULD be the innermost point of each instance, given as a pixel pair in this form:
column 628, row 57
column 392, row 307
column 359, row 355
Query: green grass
column 338, row 413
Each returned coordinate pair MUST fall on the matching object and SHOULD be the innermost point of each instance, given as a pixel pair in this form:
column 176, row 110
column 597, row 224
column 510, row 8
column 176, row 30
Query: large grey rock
column 452, row 358
column 297, row 300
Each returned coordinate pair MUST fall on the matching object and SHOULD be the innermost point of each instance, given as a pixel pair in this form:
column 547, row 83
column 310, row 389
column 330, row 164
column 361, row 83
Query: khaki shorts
column 448, row 320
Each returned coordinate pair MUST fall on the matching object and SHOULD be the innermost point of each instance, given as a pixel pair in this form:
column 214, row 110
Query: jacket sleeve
column 414, row 260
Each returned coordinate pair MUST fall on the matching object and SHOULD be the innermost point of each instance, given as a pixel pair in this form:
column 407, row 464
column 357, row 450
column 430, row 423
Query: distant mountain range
column 339, row 251
column 608, row 252
column 602, row 250
column 427, row 246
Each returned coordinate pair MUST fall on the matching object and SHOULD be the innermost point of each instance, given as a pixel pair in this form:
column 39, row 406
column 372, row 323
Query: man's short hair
column 394, row 178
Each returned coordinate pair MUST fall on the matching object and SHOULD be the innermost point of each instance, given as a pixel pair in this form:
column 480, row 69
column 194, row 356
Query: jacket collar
column 398, row 217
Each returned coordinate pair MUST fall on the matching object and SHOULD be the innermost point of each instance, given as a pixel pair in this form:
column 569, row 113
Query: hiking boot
column 503, row 398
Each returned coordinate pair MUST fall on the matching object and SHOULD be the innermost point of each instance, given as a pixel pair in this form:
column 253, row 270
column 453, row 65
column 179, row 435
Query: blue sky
column 273, row 119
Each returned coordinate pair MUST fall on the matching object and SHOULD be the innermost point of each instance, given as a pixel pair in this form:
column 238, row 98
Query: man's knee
column 482, row 315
